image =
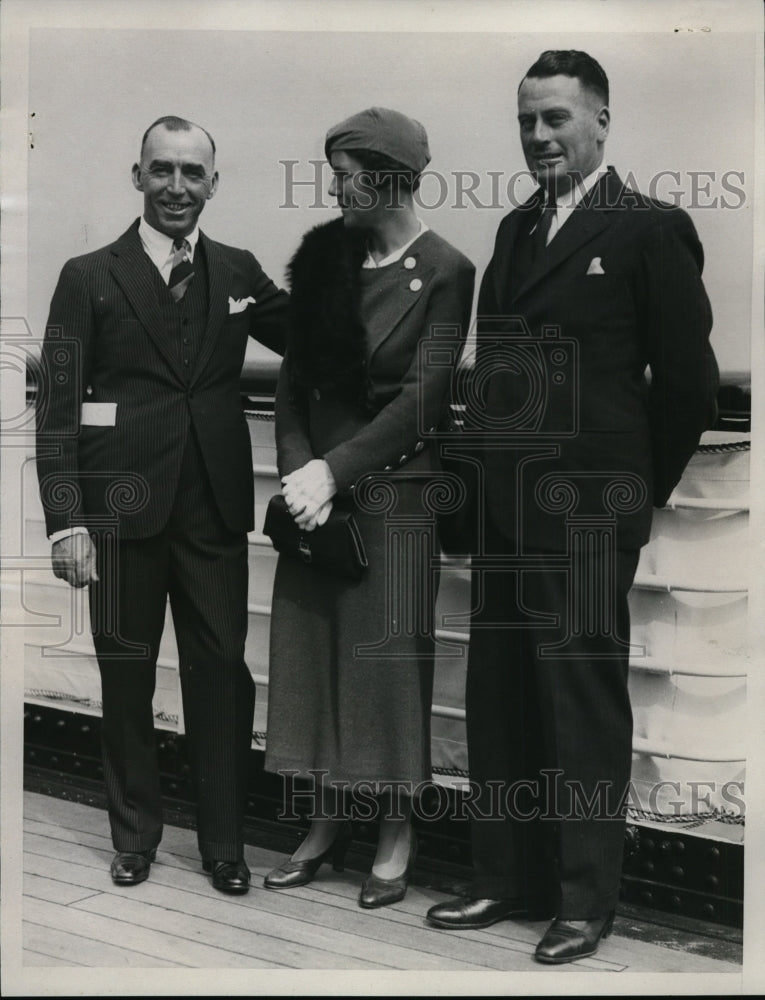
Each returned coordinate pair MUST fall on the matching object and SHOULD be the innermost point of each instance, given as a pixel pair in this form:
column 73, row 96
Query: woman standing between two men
column 353, row 395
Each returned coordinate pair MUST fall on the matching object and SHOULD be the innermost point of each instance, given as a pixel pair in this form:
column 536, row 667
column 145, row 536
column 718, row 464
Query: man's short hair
column 572, row 62
column 175, row 124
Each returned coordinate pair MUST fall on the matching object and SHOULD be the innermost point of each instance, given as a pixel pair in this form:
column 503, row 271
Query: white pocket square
column 595, row 266
column 239, row 305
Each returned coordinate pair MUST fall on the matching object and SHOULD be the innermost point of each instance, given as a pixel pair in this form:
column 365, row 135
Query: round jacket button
column 409, row 263
column 415, row 284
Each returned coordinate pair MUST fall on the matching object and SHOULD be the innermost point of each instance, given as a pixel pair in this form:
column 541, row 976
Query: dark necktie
column 183, row 270
column 542, row 230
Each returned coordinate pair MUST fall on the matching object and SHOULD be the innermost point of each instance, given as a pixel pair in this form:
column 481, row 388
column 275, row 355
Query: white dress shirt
column 566, row 202
column 160, row 247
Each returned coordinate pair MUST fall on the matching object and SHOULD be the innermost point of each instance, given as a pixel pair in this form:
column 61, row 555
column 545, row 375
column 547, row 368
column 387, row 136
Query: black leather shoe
column 567, row 940
column 291, row 873
column 232, row 877
column 376, row 891
column 131, row 867
column 469, row 913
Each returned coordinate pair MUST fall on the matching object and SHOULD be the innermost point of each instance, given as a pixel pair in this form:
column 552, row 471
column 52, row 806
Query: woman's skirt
column 351, row 662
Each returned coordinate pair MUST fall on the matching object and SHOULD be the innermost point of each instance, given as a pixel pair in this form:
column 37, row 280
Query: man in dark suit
column 145, row 473
column 590, row 285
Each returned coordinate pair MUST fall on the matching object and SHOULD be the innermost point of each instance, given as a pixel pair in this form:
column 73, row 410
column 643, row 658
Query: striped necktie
column 182, row 271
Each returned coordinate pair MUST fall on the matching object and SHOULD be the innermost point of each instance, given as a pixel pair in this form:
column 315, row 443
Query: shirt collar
column 568, row 200
column 370, row 262
column 159, row 246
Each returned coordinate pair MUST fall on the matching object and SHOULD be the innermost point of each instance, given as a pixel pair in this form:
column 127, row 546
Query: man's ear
column 137, row 180
column 213, row 185
column 604, row 121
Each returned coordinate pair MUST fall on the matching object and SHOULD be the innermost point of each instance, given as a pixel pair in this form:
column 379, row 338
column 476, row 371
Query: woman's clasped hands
column 308, row 492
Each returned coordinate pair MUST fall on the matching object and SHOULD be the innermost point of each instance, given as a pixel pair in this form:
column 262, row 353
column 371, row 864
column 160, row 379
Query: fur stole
column 326, row 338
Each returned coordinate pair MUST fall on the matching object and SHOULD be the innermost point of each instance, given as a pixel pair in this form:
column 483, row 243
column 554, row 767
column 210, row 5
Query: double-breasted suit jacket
column 106, row 342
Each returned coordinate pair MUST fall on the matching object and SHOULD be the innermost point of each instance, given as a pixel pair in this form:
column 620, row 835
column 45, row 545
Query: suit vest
column 185, row 321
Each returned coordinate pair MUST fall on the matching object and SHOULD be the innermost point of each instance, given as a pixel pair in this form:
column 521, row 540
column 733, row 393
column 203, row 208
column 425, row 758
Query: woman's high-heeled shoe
column 376, row 891
column 293, row 873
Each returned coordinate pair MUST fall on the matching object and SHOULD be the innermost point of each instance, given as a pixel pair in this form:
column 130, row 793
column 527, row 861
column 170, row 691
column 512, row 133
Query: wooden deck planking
column 279, row 925
column 328, row 904
column 43, row 933
column 510, row 946
column 402, row 927
column 75, row 915
column 616, row 954
column 293, row 943
column 412, row 944
column 38, row 958
column 136, row 938
column 53, row 890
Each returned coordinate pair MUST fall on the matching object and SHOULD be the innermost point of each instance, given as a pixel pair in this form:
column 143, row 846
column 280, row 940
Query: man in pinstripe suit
column 145, row 473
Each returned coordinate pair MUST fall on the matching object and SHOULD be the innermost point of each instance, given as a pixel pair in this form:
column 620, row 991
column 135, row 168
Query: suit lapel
column 504, row 252
column 219, row 279
column 393, row 308
column 131, row 269
column 590, row 217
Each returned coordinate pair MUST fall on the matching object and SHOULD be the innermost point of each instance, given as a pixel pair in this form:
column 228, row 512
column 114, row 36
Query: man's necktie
column 183, row 270
column 542, row 229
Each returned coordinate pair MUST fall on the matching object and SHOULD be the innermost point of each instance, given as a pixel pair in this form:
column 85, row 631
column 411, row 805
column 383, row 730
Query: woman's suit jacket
column 408, row 371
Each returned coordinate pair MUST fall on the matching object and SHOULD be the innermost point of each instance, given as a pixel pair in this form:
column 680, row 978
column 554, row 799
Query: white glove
column 308, row 492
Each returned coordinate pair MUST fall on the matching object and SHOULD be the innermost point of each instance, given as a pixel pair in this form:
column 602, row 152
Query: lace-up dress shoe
column 291, row 873
column 232, row 877
column 567, row 940
column 376, row 891
column 131, row 867
column 469, row 913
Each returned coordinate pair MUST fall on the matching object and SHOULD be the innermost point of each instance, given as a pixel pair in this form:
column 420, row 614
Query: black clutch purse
column 335, row 547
